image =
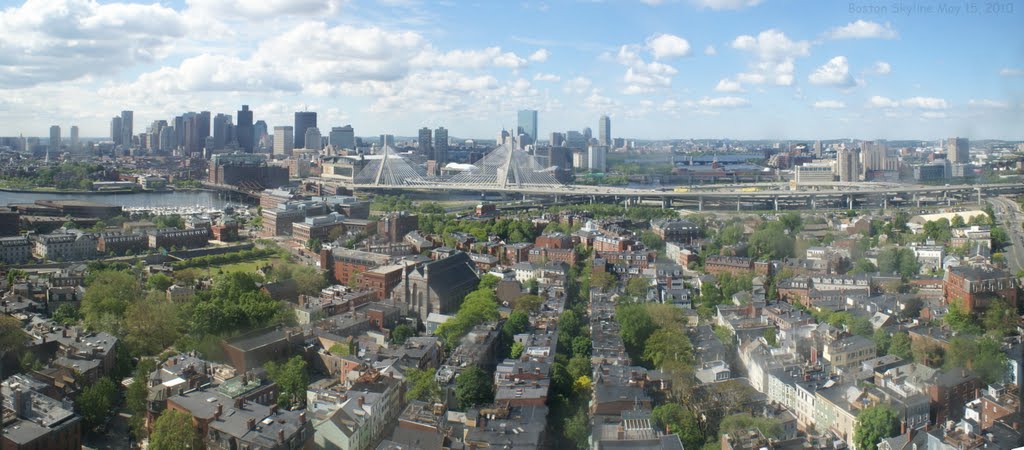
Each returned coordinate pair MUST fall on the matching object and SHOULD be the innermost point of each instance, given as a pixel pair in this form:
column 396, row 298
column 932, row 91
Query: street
column 1008, row 212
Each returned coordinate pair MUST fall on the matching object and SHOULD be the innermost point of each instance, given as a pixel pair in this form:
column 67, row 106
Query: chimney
column 302, row 418
column 220, row 410
column 250, row 423
column 238, row 403
column 360, row 401
column 273, row 409
column 280, row 436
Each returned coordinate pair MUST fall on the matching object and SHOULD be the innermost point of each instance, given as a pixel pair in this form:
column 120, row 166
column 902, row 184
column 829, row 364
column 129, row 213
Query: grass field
column 244, row 266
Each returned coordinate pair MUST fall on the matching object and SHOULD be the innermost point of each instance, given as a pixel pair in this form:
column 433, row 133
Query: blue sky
column 776, row 69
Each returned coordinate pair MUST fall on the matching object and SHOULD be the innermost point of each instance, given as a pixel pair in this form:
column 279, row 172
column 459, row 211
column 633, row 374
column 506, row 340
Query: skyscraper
column 166, row 139
column 179, row 132
column 74, row 138
column 604, row 131
column 221, row 131
column 387, row 139
column 588, row 134
column 115, row 130
column 127, row 127
column 848, row 163
column 817, row 149
column 313, row 139
column 597, row 157
column 958, row 150
column 873, row 155
column 284, row 140
column 424, row 141
column 244, row 130
column 557, row 139
column 303, row 120
column 527, row 124
column 54, row 139
column 260, row 133
column 441, row 146
column 343, row 138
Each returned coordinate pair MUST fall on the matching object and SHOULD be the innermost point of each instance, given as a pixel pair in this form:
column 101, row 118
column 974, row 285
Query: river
column 205, row 199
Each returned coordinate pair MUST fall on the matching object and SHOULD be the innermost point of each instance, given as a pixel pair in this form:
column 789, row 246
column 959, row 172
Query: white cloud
column 546, row 77
column 59, row 40
column 829, row 104
column 643, row 77
column 484, row 58
column 836, row 72
column 1011, row 72
column 878, row 101
column 509, row 60
column 597, row 102
column 666, row 46
column 727, row 85
column 775, row 55
column 986, row 103
column 863, row 29
column 725, row 4
column 263, row 9
column 881, row 68
column 933, row 115
column 578, row 85
column 710, row 50
column 722, row 102
column 931, row 103
column 539, row 56
column 925, row 103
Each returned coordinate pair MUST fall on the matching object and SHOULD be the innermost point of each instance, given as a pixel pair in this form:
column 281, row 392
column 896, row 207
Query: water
column 203, row 199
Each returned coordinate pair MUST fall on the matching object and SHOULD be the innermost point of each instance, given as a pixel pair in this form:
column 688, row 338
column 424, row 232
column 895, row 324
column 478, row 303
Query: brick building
column 15, row 250
column 437, row 286
column 117, row 243
column 675, row 230
column 382, row 280
column 322, row 228
column 343, row 263
column 716, row 264
column 541, row 255
column 554, row 240
column 395, row 226
column 975, row 287
column 173, row 237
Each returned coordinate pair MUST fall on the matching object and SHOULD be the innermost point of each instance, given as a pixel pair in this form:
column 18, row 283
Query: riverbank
column 78, row 192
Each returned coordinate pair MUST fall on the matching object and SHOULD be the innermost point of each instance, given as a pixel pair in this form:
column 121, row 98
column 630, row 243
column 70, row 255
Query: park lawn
column 244, row 266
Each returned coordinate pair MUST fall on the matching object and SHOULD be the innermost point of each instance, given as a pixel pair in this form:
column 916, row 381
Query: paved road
column 1010, row 218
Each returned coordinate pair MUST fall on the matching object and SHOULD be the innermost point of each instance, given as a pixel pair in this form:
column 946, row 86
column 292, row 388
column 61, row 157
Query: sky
column 740, row 69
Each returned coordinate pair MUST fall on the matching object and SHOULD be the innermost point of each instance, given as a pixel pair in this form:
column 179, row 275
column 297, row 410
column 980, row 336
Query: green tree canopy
column 106, row 299
column 874, row 424
column 680, row 421
column 151, row 324
column 173, row 430
column 292, row 378
column 473, row 387
column 401, row 333
column 665, row 345
column 95, row 402
column 899, row 260
column 422, row 385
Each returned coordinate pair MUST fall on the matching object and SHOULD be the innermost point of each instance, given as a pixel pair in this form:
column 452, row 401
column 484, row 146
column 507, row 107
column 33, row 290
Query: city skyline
column 686, row 69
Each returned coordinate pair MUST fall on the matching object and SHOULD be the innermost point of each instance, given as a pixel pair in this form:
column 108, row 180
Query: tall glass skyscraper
column 303, row 120
column 527, row 124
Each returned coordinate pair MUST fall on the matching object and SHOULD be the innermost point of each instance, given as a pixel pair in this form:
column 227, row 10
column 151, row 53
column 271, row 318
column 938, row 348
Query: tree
column 173, row 430
column 66, row 314
column 738, row 423
column 159, row 282
column 517, row 350
column 96, row 401
column 577, row 429
column 999, row 319
column 912, row 308
column 401, row 333
column 292, row 378
column 926, row 353
column 135, row 397
column 984, row 355
column 900, row 346
column 422, row 385
column 652, row 240
column 863, row 265
column 603, row 280
column 874, row 424
column 106, row 298
column 882, row 340
column 860, row 326
column 770, row 242
column 635, row 326
column 12, row 338
column 528, row 303
column 666, row 345
column 488, row 281
column 898, row 260
column 637, row 288
column 680, row 421
column 961, row 321
column 771, row 337
column 473, row 387
column 532, row 286
column 518, row 322
column 151, row 325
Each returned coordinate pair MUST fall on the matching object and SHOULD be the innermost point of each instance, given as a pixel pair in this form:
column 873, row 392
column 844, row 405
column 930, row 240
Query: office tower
column 74, row 138
column 873, row 155
column 127, row 127
column 597, row 157
column 343, row 138
column 527, row 125
column 313, row 139
column 284, row 141
column 817, row 149
column 441, row 146
column 958, row 150
column 604, row 131
column 557, row 139
column 179, row 132
column 197, row 129
column 244, row 132
column 260, row 133
column 848, row 164
column 424, row 141
column 588, row 134
column 166, row 139
column 153, row 134
column 221, row 133
column 303, row 120
column 54, row 139
column 115, row 130
column 575, row 139
column 387, row 139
